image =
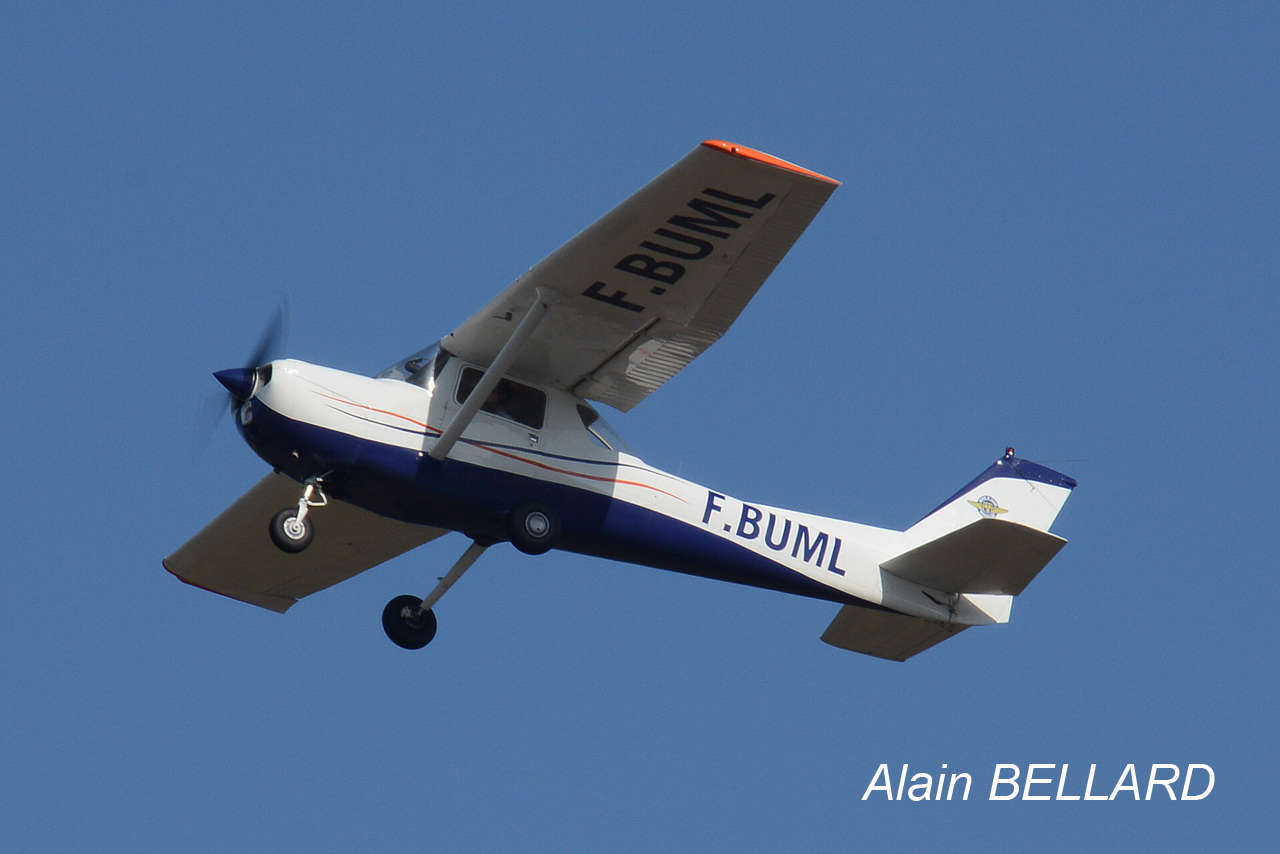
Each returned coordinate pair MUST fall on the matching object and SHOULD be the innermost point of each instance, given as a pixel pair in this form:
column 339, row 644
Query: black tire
column 408, row 632
column 285, row 534
column 533, row 527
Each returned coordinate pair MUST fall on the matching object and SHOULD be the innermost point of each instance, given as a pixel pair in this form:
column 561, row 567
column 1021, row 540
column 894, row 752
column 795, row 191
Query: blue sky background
column 1057, row 230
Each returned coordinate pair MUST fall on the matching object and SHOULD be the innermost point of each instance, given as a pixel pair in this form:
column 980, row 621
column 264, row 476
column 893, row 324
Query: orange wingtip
column 760, row 156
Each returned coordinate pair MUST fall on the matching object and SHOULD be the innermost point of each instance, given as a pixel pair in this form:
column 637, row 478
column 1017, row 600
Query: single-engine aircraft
column 491, row 432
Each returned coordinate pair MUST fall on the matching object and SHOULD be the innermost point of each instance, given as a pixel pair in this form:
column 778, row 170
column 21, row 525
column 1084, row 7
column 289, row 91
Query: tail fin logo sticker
column 987, row 506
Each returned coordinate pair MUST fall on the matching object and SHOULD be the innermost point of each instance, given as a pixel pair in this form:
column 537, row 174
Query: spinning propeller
column 241, row 383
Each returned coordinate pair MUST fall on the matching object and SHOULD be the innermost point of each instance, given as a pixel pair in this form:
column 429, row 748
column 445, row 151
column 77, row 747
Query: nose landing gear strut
column 290, row 529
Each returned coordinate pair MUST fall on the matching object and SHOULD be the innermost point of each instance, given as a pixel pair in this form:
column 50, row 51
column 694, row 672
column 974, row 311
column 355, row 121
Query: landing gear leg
column 290, row 529
column 409, row 621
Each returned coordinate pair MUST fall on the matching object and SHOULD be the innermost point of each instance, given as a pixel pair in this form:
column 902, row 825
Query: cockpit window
column 509, row 399
column 422, row 368
column 425, row 372
column 601, row 433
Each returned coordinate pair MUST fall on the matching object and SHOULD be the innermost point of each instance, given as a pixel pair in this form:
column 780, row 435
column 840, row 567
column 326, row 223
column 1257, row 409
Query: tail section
column 979, row 549
column 990, row 538
column 1010, row 490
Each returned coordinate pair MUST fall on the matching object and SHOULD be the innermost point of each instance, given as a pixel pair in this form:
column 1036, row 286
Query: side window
column 589, row 416
column 509, row 399
column 601, row 433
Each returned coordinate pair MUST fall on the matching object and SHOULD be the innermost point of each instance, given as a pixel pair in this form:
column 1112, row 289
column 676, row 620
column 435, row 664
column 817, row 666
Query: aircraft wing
column 233, row 555
column 657, row 280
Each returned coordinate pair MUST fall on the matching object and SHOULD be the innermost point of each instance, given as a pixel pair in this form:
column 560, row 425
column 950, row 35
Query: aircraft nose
column 238, row 381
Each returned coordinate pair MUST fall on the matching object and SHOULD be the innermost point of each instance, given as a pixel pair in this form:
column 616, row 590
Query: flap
column 657, row 280
column 233, row 555
column 986, row 556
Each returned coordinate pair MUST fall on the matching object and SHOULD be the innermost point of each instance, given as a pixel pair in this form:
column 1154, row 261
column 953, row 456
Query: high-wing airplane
column 491, row 432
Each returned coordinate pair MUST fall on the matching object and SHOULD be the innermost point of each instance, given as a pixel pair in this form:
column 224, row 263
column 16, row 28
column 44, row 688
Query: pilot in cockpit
column 496, row 402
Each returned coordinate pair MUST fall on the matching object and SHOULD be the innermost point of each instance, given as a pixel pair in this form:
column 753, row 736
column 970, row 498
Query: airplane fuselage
column 369, row 440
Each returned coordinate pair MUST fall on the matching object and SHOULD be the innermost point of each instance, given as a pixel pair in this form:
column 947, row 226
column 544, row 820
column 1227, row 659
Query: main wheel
column 288, row 533
column 533, row 527
column 406, row 625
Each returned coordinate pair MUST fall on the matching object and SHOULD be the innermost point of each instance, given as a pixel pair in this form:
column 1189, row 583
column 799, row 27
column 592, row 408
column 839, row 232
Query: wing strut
column 543, row 299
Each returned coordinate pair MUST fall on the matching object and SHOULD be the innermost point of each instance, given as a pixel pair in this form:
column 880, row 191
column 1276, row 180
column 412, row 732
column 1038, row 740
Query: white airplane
column 490, row 432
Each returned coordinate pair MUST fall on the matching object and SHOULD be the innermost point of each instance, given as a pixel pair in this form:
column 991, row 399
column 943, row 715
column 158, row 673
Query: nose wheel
column 291, row 529
column 290, row 532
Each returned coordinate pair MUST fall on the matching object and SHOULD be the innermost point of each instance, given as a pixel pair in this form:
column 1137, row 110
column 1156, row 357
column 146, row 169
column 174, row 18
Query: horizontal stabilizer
column 886, row 634
column 233, row 555
column 986, row 556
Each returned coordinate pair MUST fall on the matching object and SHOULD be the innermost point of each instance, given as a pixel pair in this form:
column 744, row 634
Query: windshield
column 421, row 368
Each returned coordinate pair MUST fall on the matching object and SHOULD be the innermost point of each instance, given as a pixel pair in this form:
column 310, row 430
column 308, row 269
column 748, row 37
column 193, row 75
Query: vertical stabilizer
column 1011, row 490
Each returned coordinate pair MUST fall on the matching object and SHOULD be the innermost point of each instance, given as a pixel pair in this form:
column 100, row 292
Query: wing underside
column 233, row 555
column 656, row 281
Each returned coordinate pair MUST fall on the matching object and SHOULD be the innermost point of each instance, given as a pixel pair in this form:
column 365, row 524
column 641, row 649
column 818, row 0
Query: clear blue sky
column 1057, row 230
